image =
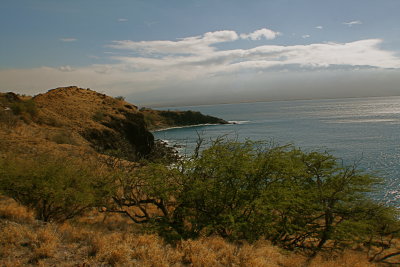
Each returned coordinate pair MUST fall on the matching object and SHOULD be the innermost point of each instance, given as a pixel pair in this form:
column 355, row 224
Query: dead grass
column 347, row 259
column 25, row 244
column 11, row 210
column 260, row 254
column 62, row 116
column 93, row 241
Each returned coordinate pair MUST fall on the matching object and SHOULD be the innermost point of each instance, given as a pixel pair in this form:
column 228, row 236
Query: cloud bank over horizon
column 201, row 65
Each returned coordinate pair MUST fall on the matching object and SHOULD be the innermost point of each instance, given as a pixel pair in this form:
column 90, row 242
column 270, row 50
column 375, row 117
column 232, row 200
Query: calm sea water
column 361, row 129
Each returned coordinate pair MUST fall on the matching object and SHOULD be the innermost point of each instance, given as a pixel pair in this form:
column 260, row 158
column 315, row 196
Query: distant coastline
column 198, row 125
column 163, row 119
column 186, row 126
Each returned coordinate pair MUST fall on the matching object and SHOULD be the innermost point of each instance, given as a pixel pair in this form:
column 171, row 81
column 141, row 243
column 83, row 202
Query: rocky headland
column 73, row 118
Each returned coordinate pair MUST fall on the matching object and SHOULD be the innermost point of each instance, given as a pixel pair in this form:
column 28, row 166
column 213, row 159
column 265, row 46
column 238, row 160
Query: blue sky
column 196, row 52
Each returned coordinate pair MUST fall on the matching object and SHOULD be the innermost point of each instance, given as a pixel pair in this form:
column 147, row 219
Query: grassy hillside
column 72, row 118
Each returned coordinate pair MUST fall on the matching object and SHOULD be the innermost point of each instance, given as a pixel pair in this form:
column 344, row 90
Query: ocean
column 363, row 130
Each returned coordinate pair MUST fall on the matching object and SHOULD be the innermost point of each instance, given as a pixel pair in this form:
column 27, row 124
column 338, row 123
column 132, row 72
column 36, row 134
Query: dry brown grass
column 347, row 259
column 93, row 241
column 25, row 244
column 44, row 243
column 62, row 116
column 11, row 210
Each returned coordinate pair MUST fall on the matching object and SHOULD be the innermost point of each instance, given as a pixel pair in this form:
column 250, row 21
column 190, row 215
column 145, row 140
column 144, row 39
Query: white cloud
column 148, row 65
column 68, row 40
column 65, row 68
column 122, row 20
column 305, row 36
column 201, row 58
column 352, row 23
column 319, row 27
column 261, row 33
column 190, row 45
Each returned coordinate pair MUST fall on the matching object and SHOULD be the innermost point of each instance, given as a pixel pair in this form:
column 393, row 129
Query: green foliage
column 49, row 120
column 7, row 119
column 24, row 107
column 56, row 189
column 167, row 118
column 163, row 153
column 295, row 199
column 99, row 116
column 188, row 117
column 63, row 137
column 223, row 189
column 237, row 190
column 149, row 119
column 121, row 98
column 152, row 183
column 249, row 190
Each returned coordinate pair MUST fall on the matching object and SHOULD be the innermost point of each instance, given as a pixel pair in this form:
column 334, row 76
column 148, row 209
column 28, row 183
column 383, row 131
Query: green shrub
column 63, row 137
column 57, row 189
column 99, row 116
column 149, row 119
column 248, row 190
column 293, row 198
column 27, row 106
column 121, row 98
column 7, row 118
column 49, row 120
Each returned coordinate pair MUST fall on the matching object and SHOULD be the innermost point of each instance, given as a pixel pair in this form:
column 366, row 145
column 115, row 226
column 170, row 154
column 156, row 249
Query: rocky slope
column 71, row 118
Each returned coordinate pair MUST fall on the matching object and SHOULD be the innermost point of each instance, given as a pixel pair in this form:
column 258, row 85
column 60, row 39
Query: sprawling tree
column 237, row 190
column 249, row 190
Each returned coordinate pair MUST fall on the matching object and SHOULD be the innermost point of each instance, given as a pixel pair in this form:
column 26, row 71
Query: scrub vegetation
column 72, row 202
column 230, row 204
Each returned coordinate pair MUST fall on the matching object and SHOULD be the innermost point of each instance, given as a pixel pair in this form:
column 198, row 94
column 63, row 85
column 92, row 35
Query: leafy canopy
column 57, row 189
column 249, row 190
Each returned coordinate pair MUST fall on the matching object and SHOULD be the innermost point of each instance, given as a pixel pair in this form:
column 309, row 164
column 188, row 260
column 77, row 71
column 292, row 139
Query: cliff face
column 82, row 117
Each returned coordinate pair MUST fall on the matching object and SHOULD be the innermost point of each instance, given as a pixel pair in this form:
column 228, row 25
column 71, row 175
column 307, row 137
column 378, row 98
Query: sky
column 186, row 52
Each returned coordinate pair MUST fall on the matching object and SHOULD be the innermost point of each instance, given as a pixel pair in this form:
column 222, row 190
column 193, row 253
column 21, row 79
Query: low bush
column 55, row 189
column 240, row 191
column 99, row 116
column 63, row 137
column 7, row 119
column 24, row 106
column 249, row 191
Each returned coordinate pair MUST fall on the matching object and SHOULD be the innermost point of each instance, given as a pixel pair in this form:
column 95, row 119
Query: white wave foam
column 238, row 122
column 188, row 126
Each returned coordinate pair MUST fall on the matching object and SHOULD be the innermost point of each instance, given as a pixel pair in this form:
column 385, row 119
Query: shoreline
column 198, row 125
column 187, row 126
